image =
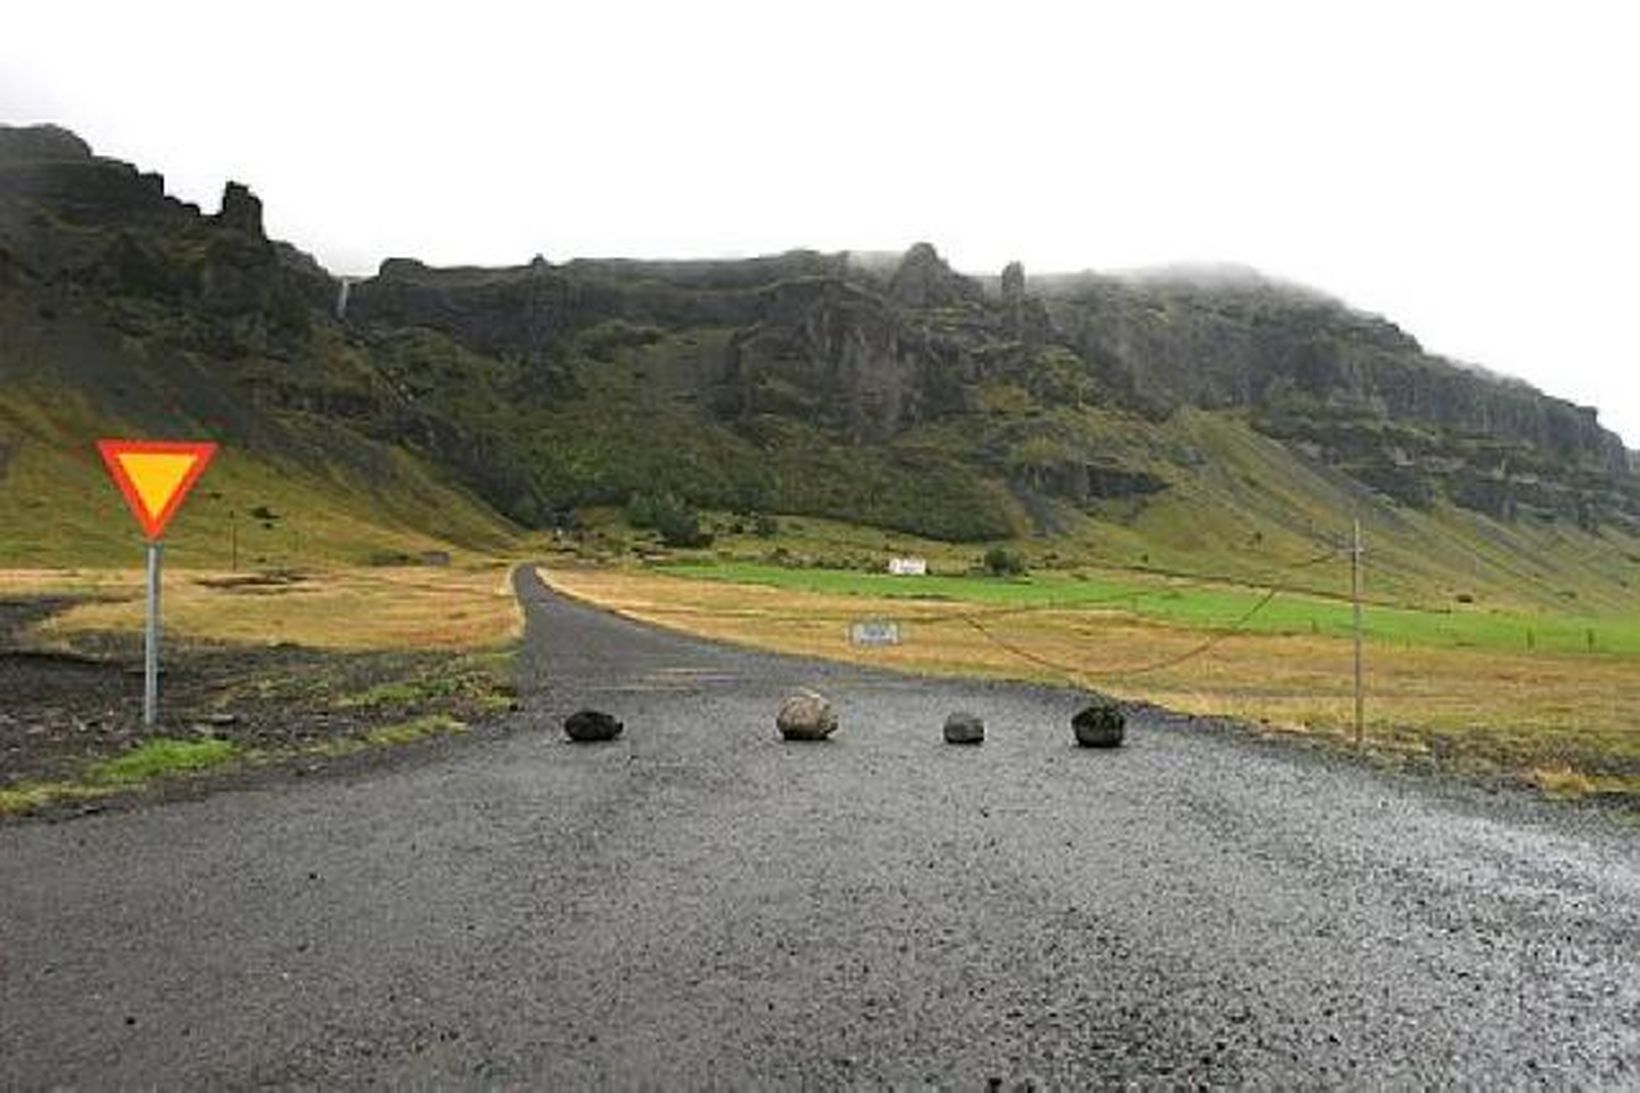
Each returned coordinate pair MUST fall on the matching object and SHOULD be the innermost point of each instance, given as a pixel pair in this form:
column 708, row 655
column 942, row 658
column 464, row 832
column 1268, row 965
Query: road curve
column 699, row 903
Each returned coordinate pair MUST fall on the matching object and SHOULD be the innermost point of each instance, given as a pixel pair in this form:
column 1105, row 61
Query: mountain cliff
column 871, row 358
column 898, row 393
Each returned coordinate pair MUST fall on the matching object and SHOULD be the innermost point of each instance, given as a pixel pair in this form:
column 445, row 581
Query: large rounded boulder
column 1099, row 725
column 591, row 726
column 806, row 715
column 963, row 727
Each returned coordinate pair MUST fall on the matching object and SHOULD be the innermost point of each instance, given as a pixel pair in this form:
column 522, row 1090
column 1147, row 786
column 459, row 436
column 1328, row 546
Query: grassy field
column 1566, row 718
column 453, row 608
column 1208, row 605
column 437, row 644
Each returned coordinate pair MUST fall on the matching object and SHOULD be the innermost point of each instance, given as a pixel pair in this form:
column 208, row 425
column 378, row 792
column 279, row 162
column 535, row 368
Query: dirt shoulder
column 71, row 711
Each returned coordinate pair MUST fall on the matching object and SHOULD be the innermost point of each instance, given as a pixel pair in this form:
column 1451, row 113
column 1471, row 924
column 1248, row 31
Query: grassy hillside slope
column 299, row 492
column 1254, row 513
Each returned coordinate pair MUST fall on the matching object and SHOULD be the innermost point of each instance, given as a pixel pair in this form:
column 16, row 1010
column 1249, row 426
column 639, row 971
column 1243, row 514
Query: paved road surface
column 699, row 903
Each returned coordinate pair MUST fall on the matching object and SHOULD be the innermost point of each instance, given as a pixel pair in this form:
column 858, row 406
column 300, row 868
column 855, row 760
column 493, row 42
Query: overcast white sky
column 1468, row 170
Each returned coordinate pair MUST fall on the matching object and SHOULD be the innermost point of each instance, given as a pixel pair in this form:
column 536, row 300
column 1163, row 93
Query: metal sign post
column 150, row 660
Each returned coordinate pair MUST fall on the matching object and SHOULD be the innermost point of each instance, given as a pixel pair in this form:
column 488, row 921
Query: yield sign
column 154, row 476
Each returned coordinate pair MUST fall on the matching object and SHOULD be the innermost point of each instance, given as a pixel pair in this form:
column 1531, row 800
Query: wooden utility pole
column 1355, row 597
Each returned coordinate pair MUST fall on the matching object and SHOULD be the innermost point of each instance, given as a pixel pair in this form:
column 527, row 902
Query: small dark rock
column 1099, row 725
column 587, row 726
column 963, row 727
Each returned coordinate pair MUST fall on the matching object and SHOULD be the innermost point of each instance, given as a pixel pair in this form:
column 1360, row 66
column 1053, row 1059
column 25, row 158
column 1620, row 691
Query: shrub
column 681, row 528
column 641, row 509
column 677, row 523
column 1002, row 562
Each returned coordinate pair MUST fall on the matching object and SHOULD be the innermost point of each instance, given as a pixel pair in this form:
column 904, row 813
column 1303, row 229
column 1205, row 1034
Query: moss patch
column 160, row 757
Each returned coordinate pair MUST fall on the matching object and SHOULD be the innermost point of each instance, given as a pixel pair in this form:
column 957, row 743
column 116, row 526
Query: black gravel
column 697, row 903
column 63, row 710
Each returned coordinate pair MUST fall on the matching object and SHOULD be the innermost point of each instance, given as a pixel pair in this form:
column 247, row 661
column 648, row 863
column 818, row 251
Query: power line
column 1073, row 672
column 1120, row 597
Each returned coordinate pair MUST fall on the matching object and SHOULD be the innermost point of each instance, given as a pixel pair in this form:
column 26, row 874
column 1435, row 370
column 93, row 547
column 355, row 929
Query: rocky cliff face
column 1260, row 346
column 81, row 222
column 904, row 393
column 119, row 297
column 924, row 280
column 872, row 356
column 1352, row 390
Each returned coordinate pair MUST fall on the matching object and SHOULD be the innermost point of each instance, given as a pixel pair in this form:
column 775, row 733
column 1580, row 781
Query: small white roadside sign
column 874, row 632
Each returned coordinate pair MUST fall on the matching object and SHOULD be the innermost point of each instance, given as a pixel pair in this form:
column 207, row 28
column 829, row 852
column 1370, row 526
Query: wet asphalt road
column 700, row 903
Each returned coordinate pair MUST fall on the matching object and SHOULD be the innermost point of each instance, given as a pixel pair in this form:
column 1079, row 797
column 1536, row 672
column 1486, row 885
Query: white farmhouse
column 908, row 567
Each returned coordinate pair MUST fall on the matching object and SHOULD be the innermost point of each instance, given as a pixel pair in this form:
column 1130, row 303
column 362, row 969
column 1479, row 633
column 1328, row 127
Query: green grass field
column 1210, row 606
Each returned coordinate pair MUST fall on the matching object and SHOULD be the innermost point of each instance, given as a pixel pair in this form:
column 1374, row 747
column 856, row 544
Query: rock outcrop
column 241, row 210
column 924, row 280
column 1013, row 283
column 70, row 217
column 41, row 143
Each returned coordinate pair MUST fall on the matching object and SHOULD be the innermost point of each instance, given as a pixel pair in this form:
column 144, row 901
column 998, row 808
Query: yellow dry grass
column 1576, row 714
column 438, row 608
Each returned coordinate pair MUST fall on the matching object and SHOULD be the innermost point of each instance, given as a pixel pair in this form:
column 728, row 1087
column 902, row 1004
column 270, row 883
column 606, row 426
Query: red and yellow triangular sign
column 155, row 475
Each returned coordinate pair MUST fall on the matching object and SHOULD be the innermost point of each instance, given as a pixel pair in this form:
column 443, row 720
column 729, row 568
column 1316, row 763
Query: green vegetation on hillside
column 332, row 499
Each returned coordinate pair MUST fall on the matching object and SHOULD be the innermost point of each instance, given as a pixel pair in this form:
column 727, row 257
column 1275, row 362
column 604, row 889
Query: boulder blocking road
column 698, row 902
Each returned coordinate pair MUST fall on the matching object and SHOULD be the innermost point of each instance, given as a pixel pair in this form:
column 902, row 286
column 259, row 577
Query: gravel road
column 700, row 903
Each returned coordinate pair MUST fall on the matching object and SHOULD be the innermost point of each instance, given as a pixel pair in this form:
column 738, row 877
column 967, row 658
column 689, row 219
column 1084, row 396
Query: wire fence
column 1079, row 675
column 1076, row 674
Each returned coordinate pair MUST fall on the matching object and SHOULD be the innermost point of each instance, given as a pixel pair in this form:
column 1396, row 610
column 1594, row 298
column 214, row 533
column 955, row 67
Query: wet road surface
column 700, row 903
